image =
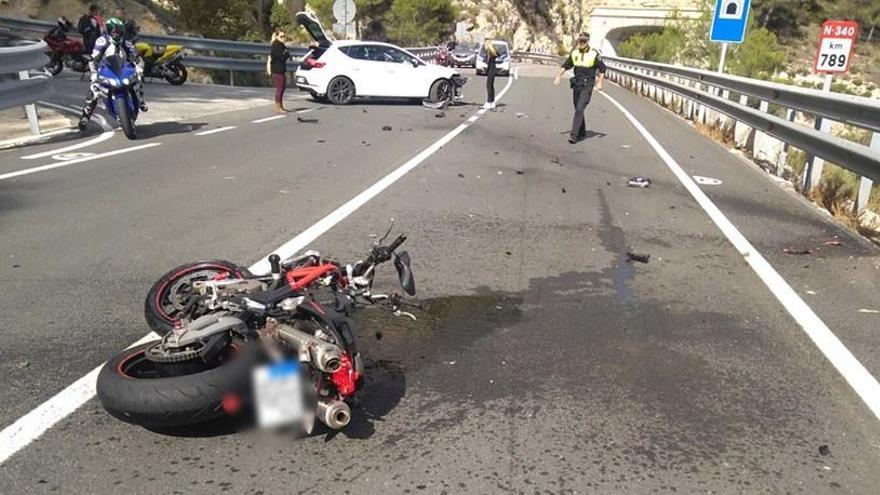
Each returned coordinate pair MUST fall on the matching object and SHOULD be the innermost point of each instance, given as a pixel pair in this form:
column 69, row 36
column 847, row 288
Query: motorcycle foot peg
column 275, row 263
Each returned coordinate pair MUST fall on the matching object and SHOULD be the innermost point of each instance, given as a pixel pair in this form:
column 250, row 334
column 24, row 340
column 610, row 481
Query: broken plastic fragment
column 639, row 182
column 641, row 258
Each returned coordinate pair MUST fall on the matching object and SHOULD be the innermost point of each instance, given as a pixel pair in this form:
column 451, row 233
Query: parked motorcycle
column 282, row 344
column 116, row 78
column 65, row 52
column 164, row 63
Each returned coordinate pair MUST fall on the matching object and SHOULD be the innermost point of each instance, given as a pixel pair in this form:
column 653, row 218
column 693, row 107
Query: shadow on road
column 167, row 128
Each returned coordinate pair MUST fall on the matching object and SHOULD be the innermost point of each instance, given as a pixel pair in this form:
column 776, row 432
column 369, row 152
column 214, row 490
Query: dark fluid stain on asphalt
column 613, row 239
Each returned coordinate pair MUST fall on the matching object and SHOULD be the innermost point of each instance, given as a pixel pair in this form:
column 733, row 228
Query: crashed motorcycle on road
column 282, row 345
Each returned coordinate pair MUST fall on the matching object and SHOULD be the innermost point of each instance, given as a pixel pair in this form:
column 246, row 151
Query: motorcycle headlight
column 126, row 81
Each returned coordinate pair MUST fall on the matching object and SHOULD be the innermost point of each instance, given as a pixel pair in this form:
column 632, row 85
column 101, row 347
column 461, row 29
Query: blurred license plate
column 278, row 391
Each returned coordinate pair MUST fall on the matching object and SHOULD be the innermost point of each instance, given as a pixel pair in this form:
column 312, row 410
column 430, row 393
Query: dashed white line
column 267, row 119
column 32, row 425
column 215, row 131
column 858, row 377
column 19, row 173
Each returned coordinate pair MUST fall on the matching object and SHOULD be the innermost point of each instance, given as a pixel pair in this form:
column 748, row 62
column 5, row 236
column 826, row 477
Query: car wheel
column 441, row 90
column 340, row 91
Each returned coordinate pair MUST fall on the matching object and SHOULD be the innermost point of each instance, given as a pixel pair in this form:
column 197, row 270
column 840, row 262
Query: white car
column 502, row 63
column 339, row 71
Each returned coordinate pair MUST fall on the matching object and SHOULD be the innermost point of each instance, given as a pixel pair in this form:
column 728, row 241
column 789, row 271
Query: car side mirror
column 415, row 63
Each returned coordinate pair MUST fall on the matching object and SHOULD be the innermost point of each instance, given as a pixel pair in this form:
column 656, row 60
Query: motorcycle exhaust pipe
column 333, row 413
column 323, row 355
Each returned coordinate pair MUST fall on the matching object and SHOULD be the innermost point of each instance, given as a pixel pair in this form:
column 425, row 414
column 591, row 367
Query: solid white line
column 100, row 139
column 859, row 378
column 33, row 424
column 51, row 166
column 472, row 119
column 310, row 234
column 215, row 131
column 267, row 119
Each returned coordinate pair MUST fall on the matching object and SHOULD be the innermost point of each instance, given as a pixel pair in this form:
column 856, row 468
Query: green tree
column 419, row 22
column 758, row 56
column 279, row 18
column 224, row 19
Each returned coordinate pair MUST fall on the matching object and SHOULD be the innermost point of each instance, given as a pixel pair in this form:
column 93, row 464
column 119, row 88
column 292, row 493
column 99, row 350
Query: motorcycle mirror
column 404, row 272
column 390, row 228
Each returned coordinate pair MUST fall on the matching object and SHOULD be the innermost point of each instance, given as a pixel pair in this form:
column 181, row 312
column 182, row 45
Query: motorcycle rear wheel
column 131, row 390
column 171, row 293
column 179, row 76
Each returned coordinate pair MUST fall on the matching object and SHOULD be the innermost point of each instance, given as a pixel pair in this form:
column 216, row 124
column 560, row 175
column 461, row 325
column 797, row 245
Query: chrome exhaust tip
column 334, row 413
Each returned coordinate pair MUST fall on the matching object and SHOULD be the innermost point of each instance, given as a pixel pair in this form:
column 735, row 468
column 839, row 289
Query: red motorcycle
column 282, row 345
column 65, row 51
column 442, row 57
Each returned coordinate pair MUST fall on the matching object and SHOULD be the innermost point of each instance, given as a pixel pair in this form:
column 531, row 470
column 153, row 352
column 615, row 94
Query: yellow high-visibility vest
column 586, row 59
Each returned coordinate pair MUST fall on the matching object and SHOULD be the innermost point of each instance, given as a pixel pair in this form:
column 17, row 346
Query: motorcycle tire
column 179, row 76
column 126, row 120
column 54, row 67
column 179, row 279
column 128, row 393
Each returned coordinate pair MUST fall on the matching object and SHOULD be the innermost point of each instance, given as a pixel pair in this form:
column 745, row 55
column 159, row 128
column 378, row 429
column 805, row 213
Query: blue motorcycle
column 116, row 80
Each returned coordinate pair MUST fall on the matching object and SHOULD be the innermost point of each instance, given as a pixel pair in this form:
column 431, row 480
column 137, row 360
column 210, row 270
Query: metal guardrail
column 689, row 83
column 18, row 59
column 536, row 57
column 245, row 64
column 855, row 110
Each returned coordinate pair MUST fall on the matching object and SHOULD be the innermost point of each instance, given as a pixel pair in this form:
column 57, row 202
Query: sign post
column 729, row 25
column 344, row 11
column 837, row 41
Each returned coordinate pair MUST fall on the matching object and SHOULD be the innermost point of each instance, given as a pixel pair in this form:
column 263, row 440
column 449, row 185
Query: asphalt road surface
column 545, row 360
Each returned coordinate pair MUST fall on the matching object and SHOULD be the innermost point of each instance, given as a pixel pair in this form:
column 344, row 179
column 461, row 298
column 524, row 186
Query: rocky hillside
column 529, row 24
column 150, row 19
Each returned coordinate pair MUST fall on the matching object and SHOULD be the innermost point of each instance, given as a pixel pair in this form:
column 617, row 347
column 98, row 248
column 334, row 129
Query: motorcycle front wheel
column 172, row 293
column 177, row 75
column 54, row 66
column 125, row 119
column 136, row 390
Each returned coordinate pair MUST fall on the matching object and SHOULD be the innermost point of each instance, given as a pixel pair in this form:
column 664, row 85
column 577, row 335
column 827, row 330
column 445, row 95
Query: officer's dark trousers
column 581, row 96
column 491, row 70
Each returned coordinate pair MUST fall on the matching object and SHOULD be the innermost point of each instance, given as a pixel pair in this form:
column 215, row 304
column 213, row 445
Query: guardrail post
column 780, row 167
column 31, row 110
column 231, row 78
column 813, row 172
column 866, row 184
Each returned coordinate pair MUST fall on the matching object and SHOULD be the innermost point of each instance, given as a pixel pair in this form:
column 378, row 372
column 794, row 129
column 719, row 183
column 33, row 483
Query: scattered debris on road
column 641, row 258
column 230, row 177
column 824, row 450
column 440, row 115
column 322, row 140
column 625, row 146
column 707, row 181
column 869, row 311
column 461, row 176
column 639, row 182
column 521, row 115
column 833, row 242
column 307, row 120
column 563, row 190
column 798, row 252
column 499, row 172
column 378, row 335
column 386, row 128
column 364, row 110
column 520, row 172
column 508, row 253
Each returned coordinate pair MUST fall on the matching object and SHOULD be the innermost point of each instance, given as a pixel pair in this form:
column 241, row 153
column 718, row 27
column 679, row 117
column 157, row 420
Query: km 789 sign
column 837, row 40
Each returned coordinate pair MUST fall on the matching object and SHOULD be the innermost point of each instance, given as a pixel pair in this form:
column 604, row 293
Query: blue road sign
column 729, row 21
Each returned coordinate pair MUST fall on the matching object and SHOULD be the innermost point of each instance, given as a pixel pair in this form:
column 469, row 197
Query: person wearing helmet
column 112, row 42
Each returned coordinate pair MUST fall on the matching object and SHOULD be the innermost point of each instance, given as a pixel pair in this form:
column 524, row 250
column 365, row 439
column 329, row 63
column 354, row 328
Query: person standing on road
column 276, row 67
column 90, row 26
column 491, row 70
column 589, row 70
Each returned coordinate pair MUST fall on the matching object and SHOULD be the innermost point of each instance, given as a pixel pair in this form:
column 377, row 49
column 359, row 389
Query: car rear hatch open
column 314, row 28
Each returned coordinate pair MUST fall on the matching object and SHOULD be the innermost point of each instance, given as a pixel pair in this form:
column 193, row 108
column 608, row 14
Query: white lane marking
column 100, row 139
column 71, row 156
column 310, row 234
column 30, row 426
column 307, row 110
column 33, row 424
column 472, row 119
column 51, row 166
column 215, row 131
column 76, row 111
column 858, row 377
column 267, row 119
column 516, row 73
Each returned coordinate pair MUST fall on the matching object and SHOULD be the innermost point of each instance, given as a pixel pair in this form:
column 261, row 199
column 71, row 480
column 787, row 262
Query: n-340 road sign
column 837, row 40
column 729, row 21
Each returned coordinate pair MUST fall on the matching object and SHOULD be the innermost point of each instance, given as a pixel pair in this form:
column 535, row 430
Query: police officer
column 589, row 70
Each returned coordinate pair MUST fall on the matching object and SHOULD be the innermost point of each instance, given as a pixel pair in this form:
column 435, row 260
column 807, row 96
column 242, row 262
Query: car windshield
column 500, row 48
column 465, row 49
